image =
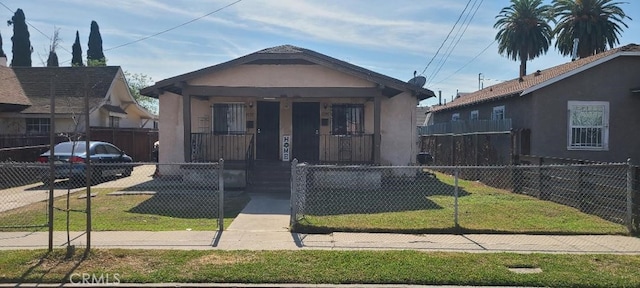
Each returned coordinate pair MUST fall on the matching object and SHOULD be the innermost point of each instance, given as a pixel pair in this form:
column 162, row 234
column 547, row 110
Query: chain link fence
column 122, row 197
column 569, row 199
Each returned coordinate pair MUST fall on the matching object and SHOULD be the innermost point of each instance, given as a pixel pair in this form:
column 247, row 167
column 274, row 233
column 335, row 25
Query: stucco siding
column 610, row 81
column 281, row 76
column 171, row 131
column 398, row 130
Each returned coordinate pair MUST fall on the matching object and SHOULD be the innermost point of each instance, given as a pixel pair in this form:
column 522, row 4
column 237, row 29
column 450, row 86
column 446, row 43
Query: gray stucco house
column 584, row 109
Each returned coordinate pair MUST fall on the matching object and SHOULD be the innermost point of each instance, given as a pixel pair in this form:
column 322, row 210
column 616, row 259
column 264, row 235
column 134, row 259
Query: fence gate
column 24, row 204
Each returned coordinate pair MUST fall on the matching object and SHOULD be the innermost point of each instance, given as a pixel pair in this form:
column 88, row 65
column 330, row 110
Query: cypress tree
column 1, row 51
column 76, row 52
column 21, row 44
column 95, row 57
column 52, row 61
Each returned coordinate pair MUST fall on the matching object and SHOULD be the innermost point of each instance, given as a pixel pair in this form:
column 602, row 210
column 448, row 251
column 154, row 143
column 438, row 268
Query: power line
column 34, row 27
column 441, row 64
column 174, row 27
column 465, row 65
column 445, row 40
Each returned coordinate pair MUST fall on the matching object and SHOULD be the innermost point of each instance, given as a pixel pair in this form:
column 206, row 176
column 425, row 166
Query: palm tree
column 524, row 31
column 595, row 23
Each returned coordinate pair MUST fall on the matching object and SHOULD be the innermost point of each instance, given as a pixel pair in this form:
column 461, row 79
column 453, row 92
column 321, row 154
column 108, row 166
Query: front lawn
column 160, row 212
column 427, row 206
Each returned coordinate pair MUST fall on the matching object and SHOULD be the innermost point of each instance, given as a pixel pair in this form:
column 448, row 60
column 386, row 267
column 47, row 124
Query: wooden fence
column 137, row 143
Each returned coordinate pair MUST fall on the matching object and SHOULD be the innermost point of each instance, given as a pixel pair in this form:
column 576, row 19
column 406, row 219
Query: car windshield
column 66, row 147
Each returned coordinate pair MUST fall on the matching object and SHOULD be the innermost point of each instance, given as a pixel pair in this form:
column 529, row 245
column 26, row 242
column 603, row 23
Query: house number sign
column 286, row 147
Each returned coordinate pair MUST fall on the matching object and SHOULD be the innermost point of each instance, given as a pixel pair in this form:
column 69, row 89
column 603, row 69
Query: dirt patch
column 221, row 259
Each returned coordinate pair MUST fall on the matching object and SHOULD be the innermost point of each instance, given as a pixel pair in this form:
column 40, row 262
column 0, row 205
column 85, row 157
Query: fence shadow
column 189, row 204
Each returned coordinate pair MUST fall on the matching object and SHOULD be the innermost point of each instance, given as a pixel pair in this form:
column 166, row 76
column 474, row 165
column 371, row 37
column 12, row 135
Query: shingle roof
column 294, row 55
column 68, row 85
column 421, row 114
column 11, row 92
column 516, row 87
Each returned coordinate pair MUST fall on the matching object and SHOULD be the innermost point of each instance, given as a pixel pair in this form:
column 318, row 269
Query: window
column 455, row 116
column 498, row 113
column 38, row 125
column 114, row 121
column 347, row 119
column 588, row 125
column 229, row 119
column 475, row 115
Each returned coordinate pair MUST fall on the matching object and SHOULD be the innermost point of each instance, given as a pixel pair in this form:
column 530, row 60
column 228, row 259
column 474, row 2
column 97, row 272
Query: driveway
column 24, row 195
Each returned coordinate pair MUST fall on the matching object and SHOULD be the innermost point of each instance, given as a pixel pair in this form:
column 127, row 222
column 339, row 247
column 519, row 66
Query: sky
column 450, row 42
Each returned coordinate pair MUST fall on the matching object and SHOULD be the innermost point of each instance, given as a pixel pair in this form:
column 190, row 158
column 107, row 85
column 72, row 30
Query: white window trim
column 495, row 109
column 455, row 117
column 476, row 113
column 605, row 132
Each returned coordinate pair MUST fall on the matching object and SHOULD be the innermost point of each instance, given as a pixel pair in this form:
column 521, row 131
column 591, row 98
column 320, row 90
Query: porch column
column 376, row 129
column 186, row 123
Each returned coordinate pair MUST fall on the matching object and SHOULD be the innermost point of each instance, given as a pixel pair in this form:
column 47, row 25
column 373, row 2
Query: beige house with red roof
column 584, row 109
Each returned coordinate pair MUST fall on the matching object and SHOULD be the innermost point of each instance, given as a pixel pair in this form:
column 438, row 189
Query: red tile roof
column 516, row 86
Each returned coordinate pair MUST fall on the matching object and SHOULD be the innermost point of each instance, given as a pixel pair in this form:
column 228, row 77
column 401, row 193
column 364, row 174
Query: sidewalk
column 263, row 224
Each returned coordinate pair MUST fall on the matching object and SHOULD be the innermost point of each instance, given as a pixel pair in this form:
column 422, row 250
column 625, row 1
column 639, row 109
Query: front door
column 305, row 138
column 268, row 133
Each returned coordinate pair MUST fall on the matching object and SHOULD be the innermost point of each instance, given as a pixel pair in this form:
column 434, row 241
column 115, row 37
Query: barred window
column 229, row 119
column 455, row 117
column 347, row 119
column 38, row 125
column 475, row 115
column 588, row 125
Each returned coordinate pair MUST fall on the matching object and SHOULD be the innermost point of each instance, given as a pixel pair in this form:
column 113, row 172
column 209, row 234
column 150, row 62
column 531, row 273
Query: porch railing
column 462, row 127
column 209, row 147
column 346, row 148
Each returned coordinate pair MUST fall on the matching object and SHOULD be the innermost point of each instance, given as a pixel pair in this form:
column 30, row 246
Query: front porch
column 317, row 149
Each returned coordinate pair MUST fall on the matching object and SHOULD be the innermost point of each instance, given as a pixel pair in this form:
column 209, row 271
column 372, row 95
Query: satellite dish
column 418, row 81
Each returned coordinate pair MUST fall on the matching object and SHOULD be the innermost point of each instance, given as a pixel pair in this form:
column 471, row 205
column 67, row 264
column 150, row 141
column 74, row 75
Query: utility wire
column 435, row 73
column 174, row 27
column 445, row 40
column 34, row 27
column 465, row 65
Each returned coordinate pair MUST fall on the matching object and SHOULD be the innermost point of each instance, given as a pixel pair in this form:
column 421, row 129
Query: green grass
column 422, row 208
column 316, row 266
column 160, row 212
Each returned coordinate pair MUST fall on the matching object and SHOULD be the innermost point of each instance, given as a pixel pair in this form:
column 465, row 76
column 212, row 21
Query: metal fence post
column 629, row 218
column 455, row 199
column 221, row 195
column 293, row 205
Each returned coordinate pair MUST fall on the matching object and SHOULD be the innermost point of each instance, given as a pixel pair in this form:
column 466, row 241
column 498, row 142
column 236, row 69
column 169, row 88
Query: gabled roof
column 288, row 54
column 12, row 97
column 538, row 79
column 68, row 84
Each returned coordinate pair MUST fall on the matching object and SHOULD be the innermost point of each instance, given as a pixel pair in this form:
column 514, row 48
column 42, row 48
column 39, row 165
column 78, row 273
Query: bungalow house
column 25, row 102
column 287, row 102
column 585, row 109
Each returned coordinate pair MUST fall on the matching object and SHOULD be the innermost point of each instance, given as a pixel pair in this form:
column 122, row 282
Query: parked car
column 70, row 161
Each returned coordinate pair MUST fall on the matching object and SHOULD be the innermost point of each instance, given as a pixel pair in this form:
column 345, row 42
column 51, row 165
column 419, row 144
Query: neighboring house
column 421, row 115
column 110, row 102
column 585, row 109
column 287, row 102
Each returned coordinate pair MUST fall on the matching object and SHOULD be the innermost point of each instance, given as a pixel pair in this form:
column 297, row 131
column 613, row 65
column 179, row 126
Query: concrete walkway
column 263, row 224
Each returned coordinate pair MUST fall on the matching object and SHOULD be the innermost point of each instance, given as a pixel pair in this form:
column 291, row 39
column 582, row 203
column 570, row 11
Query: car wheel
column 127, row 171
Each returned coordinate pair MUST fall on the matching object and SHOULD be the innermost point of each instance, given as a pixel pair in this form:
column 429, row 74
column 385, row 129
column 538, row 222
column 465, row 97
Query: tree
column 76, row 52
column 595, row 23
column 52, row 60
column 95, row 57
column 524, row 31
column 136, row 82
column 1, row 51
column 21, row 44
